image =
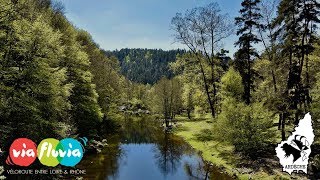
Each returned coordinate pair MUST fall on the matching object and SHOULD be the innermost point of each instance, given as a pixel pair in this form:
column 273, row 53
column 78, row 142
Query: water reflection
column 140, row 130
column 144, row 151
column 99, row 166
column 168, row 152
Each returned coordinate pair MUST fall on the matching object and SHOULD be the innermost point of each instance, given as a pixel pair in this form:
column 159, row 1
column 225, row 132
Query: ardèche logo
column 50, row 152
column 294, row 152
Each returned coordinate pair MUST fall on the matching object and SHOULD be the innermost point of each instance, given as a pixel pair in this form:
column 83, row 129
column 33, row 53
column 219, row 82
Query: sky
column 116, row 24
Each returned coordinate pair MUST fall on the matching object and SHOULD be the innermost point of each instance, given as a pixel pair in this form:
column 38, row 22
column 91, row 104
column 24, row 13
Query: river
column 143, row 151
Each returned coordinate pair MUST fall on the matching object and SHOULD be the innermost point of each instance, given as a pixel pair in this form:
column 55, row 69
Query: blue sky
column 116, row 24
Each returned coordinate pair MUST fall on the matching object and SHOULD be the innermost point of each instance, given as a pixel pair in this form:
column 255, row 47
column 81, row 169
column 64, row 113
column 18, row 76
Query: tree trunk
column 274, row 81
column 296, row 117
column 207, row 89
column 248, row 79
column 283, row 132
column 189, row 108
column 280, row 120
column 167, row 122
column 307, row 89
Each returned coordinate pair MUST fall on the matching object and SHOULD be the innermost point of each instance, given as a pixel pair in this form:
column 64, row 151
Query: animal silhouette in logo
column 296, row 148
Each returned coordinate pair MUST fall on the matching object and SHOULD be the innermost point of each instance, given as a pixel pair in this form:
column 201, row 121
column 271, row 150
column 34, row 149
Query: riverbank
column 197, row 132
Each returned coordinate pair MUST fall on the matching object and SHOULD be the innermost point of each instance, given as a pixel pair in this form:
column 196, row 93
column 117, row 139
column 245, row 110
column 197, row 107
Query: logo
column 50, row 152
column 294, row 152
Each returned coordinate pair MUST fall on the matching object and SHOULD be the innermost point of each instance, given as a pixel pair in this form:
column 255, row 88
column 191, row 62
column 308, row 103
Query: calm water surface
column 143, row 151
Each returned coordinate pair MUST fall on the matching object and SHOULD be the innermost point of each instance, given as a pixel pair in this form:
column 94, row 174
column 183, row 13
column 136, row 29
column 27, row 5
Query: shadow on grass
column 193, row 119
column 264, row 160
column 242, row 164
column 204, row 135
column 227, row 153
column 181, row 128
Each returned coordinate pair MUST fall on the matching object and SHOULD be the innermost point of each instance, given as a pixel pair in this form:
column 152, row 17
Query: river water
column 143, row 151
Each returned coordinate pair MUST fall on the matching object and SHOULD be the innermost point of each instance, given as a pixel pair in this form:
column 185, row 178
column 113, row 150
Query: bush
column 315, row 93
column 247, row 127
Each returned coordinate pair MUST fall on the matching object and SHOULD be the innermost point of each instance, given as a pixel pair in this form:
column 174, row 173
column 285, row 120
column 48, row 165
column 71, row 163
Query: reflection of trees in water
column 204, row 170
column 111, row 164
column 104, row 164
column 196, row 171
column 143, row 130
column 168, row 152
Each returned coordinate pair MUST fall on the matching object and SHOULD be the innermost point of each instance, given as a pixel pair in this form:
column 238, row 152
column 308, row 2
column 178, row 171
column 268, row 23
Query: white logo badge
column 294, row 152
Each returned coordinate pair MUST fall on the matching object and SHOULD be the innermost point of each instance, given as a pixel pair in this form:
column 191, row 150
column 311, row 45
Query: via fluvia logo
column 50, row 152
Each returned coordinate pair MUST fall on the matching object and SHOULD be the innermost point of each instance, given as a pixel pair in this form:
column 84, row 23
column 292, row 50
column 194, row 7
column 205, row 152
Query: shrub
column 247, row 127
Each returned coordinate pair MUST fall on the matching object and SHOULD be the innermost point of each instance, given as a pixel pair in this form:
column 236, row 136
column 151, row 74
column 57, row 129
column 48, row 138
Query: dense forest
column 55, row 81
column 146, row 66
column 51, row 74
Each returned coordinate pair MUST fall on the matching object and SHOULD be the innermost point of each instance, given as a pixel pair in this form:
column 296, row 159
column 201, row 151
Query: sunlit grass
column 196, row 133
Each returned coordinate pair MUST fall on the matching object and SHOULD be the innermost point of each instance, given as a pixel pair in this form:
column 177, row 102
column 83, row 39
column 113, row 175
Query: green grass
column 197, row 132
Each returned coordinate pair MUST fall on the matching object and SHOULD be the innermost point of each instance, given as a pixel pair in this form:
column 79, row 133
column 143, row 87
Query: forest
column 56, row 81
column 145, row 66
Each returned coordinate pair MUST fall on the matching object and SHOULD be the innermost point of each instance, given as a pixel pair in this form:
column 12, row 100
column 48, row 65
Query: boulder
column 96, row 146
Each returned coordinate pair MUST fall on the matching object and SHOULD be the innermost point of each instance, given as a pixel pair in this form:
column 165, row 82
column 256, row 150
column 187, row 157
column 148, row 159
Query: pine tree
column 247, row 23
column 297, row 22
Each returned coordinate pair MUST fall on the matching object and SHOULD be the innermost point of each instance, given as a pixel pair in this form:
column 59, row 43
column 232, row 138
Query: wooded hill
column 145, row 66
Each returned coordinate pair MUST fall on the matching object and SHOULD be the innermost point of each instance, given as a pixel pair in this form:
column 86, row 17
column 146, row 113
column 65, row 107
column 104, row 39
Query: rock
column 94, row 142
column 245, row 170
column 104, row 142
column 100, row 145
column 122, row 108
column 96, row 146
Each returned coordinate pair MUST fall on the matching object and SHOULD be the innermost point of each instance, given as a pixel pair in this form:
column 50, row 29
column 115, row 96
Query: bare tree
column 202, row 29
column 267, row 33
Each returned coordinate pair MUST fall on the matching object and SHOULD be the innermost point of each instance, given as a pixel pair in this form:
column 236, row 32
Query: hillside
column 145, row 66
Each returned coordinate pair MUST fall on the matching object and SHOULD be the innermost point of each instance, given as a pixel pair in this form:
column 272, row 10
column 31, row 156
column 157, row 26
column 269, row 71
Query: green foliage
column 297, row 22
column 315, row 79
column 315, row 93
column 201, row 29
column 105, row 73
column 33, row 89
column 167, row 97
column 247, row 127
column 85, row 111
column 46, row 79
column 231, row 85
column 189, row 73
column 188, row 98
